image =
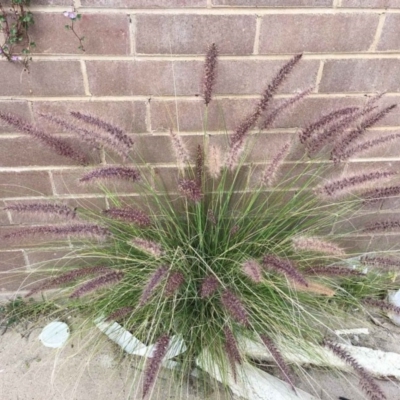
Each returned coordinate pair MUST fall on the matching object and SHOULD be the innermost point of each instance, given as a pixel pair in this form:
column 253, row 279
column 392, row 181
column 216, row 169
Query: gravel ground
column 92, row 367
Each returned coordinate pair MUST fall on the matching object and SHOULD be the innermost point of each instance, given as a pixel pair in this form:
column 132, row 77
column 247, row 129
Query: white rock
column 54, row 334
column 252, row 383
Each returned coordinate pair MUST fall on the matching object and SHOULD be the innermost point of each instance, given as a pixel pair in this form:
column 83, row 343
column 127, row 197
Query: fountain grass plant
column 237, row 251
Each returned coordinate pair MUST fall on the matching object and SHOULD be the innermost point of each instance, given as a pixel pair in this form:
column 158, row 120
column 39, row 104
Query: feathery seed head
column 285, row 267
column 111, row 278
column 174, row 282
column 111, row 173
column 342, row 186
column 253, row 270
column 209, row 285
column 154, row 363
column 148, row 246
column 128, row 214
column 67, row 277
column 232, row 351
column 235, row 307
column 315, row 244
column 210, row 72
column 45, row 210
column 190, row 189
column 152, row 283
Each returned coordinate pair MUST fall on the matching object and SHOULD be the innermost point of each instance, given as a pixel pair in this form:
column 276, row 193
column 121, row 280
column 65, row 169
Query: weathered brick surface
column 27, row 241
column 169, row 39
column 20, row 282
column 25, row 184
column 124, row 78
column 23, row 218
column 67, row 182
column 317, row 33
column 371, row 3
column 57, row 259
column 390, row 38
column 345, row 76
column 222, row 114
column 157, row 77
column 144, row 3
column 226, row 114
column 51, row 37
column 274, row 3
column 4, row 220
column 127, row 115
column 24, row 151
column 46, row 78
column 11, row 260
column 19, row 108
column 191, row 34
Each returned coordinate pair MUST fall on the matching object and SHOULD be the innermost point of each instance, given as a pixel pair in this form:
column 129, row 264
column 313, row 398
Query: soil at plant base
column 92, row 367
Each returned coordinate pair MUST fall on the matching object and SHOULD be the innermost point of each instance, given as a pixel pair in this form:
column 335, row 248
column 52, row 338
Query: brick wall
column 142, row 53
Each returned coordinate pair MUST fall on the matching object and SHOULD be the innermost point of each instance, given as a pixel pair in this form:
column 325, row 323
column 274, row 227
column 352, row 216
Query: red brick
column 390, row 38
column 59, row 258
column 4, row 220
column 222, row 114
column 47, row 3
column 388, row 149
column 19, row 108
column 225, row 114
column 46, row 78
column 252, row 77
column 313, row 108
column 355, row 244
column 374, row 75
column 11, row 260
column 127, row 115
column 27, row 241
column 125, row 78
column 156, row 77
column 104, row 34
column 274, row 3
column 317, row 33
column 24, row 151
column 158, row 149
column 144, row 3
column 67, row 182
column 297, row 175
column 371, row 3
column 191, row 34
column 23, row 184
column 19, row 218
column 18, row 282
column 360, row 167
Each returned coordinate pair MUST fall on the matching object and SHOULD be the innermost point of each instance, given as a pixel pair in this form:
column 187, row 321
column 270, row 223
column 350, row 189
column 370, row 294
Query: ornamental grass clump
column 236, row 251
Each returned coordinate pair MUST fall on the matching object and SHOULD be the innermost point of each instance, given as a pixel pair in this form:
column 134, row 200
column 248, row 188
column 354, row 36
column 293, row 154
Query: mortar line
column 148, row 116
column 319, row 75
column 378, row 33
column 187, row 97
column 200, row 57
column 209, row 4
column 52, row 184
column 215, row 10
column 31, row 112
column 256, row 46
column 150, row 133
column 27, row 261
column 9, row 216
column 85, row 78
column 132, row 33
column 77, row 4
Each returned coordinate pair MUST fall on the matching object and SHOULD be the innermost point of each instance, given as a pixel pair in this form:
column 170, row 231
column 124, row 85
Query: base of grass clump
column 237, row 250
